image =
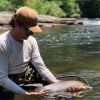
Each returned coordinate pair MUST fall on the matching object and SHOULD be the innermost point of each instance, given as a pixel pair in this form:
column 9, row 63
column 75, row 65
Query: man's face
column 24, row 32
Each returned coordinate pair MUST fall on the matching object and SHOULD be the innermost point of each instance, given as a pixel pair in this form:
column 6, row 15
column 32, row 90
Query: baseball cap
column 28, row 17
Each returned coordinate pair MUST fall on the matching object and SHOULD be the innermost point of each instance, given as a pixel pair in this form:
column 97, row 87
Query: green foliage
column 65, row 8
column 35, row 4
column 52, row 8
column 10, row 5
column 46, row 7
column 17, row 3
column 5, row 5
column 71, row 8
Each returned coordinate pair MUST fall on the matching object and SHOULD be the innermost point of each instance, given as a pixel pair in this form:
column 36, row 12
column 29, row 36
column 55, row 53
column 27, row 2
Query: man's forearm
column 11, row 86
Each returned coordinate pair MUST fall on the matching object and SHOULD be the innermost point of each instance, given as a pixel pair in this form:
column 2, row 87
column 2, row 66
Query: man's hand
column 37, row 92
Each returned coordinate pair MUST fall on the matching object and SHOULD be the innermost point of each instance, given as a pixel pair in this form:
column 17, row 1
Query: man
column 18, row 47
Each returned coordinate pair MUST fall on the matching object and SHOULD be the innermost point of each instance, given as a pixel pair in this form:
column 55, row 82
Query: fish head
column 79, row 86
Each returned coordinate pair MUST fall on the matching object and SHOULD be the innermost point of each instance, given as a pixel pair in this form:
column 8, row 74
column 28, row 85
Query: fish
column 62, row 89
column 68, row 86
column 65, row 89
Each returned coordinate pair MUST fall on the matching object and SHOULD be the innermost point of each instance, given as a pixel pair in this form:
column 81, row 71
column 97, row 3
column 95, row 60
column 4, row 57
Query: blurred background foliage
column 89, row 8
column 59, row 8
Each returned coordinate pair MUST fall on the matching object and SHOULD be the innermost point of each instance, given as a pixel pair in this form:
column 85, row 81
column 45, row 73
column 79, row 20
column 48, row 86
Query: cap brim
column 35, row 29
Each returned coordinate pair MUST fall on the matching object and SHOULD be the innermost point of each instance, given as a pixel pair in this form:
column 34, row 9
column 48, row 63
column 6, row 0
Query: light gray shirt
column 14, row 58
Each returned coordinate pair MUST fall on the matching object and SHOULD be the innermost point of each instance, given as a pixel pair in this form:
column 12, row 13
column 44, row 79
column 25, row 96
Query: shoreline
column 44, row 20
column 50, row 21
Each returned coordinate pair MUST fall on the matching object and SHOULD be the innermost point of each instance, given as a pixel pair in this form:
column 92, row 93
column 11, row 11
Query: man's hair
column 13, row 21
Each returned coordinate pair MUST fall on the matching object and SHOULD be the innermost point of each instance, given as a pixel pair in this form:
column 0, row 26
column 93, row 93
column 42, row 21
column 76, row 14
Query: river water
column 71, row 50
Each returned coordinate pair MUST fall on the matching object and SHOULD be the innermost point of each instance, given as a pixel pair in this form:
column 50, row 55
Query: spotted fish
column 69, row 86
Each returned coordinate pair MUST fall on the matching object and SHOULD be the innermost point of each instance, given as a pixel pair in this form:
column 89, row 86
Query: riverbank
column 50, row 21
column 44, row 20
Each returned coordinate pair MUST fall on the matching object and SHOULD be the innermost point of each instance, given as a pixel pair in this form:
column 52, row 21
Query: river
column 71, row 50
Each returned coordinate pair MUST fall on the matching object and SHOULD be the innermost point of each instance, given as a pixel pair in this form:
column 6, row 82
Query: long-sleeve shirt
column 14, row 58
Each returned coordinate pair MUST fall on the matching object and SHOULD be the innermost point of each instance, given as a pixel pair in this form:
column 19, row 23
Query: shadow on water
column 71, row 50
column 6, row 96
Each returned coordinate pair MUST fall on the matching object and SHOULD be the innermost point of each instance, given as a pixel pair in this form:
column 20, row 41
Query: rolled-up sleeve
column 38, row 62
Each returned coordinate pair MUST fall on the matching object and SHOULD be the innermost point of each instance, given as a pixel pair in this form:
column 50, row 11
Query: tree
column 5, row 5
column 90, row 8
column 16, row 4
column 46, row 7
column 70, row 7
